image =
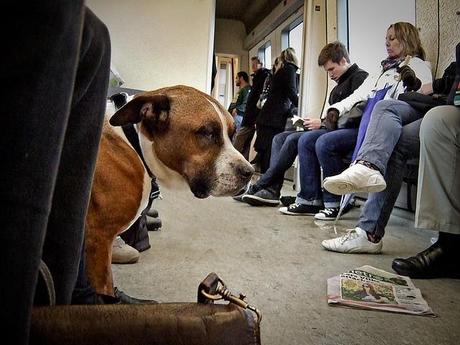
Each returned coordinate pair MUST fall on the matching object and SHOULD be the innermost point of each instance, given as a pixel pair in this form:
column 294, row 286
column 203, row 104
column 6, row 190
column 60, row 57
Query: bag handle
column 212, row 288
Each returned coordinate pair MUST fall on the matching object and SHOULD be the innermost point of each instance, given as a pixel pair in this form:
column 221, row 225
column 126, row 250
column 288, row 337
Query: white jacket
column 379, row 81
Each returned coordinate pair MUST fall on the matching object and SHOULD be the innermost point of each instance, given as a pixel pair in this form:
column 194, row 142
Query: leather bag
column 202, row 323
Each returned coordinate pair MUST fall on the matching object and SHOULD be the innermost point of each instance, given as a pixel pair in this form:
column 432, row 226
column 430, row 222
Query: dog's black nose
column 245, row 170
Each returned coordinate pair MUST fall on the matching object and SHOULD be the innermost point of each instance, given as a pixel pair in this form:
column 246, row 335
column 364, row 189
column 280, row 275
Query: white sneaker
column 354, row 241
column 355, row 179
column 123, row 253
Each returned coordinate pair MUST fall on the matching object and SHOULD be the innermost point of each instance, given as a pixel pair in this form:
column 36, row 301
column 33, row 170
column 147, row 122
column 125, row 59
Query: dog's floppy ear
column 154, row 109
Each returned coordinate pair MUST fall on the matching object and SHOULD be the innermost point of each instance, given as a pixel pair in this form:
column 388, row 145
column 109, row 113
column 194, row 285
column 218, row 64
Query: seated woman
column 336, row 62
column 391, row 139
column 328, row 149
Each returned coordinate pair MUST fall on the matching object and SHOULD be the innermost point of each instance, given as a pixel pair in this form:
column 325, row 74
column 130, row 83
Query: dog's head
column 185, row 137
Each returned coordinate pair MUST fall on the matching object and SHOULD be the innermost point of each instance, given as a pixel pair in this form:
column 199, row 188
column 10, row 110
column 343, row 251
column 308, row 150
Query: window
column 268, row 56
column 294, row 37
column 265, row 55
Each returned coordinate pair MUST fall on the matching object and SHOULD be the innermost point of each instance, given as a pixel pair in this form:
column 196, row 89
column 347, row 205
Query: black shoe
column 152, row 213
column 296, row 209
column 250, row 189
column 153, row 224
column 331, row 213
column 287, row 200
column 264, row 197
column 125, row 299
column 433, row 262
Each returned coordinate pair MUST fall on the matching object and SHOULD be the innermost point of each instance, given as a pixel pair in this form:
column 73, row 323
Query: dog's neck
column 166, row 177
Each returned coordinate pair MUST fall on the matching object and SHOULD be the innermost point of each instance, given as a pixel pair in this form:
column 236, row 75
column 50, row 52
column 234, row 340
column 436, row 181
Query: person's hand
column 234, row 112
column 311, row 123
column 332, row 117
column 409, row 79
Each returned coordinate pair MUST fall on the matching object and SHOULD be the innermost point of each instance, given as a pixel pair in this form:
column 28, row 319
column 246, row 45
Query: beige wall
column 229, row 39
column 449, row 33
column 160, row 43
column 314, row 83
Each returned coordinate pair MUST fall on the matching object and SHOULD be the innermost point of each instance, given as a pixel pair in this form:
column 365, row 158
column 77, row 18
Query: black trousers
column 55, row 65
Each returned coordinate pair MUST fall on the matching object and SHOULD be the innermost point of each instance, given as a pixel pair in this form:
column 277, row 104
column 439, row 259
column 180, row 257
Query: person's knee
column 306, row 143
column 291, row 141
column 96, row 37
column 279, row 139
column 388, row 106
column 323, row 146
column 439, row 121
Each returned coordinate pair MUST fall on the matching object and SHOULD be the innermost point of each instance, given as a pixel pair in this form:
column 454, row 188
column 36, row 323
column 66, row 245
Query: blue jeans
column 387, row 120
column 378, row 207
column 237, row 121
column 328, row 150
column 283, row 154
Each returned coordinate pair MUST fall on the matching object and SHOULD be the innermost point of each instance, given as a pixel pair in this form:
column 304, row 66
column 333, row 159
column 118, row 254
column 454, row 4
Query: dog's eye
column 207, row 133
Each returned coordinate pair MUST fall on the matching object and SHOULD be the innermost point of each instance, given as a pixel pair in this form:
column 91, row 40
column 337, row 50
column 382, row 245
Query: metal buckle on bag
column 220, row 291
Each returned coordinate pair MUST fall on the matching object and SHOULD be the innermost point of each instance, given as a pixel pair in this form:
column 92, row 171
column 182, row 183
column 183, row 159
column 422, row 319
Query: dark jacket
column 283, row 94
column 250, row 115
column 347, row 83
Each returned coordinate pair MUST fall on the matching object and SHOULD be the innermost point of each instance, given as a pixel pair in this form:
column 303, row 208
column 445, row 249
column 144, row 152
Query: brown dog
column 185, row 139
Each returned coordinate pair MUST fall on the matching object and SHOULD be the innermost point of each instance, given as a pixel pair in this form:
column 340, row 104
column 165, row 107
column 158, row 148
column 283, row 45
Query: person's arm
column 360, row 94
column 242, row 100
column 415, row 76
column 291, row 85
column 357, row 79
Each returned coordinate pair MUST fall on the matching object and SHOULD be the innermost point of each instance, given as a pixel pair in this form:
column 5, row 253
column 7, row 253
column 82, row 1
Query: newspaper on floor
column 368, row 287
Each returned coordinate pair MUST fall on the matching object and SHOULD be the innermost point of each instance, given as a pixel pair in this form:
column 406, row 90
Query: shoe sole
column 327, row 219
column 353, row 251
column 342, row 188
column 256, row 201
column 121, row 262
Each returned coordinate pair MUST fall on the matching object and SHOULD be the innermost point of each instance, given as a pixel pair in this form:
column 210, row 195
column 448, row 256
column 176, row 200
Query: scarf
column 390, row 63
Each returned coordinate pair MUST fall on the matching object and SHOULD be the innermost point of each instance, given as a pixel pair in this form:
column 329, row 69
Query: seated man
column 335, row 60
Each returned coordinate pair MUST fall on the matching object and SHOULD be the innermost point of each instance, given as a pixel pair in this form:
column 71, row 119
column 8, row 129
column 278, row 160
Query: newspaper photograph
column 368, row 287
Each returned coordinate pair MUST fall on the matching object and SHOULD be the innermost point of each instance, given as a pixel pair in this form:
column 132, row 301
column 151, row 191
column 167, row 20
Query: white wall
column 368, row 24
column 160, row 43
column 229, row 39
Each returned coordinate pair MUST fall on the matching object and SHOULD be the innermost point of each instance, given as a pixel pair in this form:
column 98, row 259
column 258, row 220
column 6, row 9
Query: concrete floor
column 278, row 262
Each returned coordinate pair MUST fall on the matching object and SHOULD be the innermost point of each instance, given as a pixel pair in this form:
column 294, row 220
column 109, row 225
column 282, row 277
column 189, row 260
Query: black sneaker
column 331, row 213
column 287, row 200
column 264, row 197
column 297, row 209
column 250, row 189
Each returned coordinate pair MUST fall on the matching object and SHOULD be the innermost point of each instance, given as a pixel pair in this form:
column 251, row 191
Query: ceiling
column 250, row 12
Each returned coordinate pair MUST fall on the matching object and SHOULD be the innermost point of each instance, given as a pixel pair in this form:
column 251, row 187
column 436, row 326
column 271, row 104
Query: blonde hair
column 288, row 55
column 408, row 36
